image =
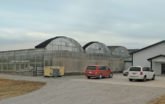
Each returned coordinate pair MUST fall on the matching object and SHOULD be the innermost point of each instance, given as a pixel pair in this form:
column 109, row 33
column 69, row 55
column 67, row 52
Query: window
column 91, row 67
column 102, row 68
column 107, row 68
column 135, row 69
column 146, row 69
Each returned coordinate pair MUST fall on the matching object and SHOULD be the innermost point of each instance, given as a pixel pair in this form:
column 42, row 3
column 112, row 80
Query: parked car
column 125, row 72
column 98, row 71
column 140, row 73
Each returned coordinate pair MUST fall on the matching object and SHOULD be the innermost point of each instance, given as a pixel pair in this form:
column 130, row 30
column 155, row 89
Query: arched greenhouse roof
column 120, row 51
column 96, row 47
column 70, row 40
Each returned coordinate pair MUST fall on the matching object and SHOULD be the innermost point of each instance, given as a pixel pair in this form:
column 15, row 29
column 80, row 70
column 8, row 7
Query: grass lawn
column 160, row 100
column 11, row 88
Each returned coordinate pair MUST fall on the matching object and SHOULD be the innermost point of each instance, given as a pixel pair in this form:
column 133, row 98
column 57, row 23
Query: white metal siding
column 140, row 58
column 156, row 65
column 159, row 59
column 157, row 68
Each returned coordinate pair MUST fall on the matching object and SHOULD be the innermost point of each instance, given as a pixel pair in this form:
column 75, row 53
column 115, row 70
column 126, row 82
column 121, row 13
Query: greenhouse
column 61, row 43
column 119, row 51
column 58, row 51
column 22, row 61
column 96, row 48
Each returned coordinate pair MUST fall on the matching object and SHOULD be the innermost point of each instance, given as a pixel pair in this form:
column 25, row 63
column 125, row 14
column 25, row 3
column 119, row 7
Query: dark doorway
column 163, row 68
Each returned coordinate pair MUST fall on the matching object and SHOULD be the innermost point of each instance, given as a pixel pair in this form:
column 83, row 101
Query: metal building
column 151, row 56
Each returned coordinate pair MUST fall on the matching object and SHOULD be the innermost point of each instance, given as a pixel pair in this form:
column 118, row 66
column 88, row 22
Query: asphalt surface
column 79, row 90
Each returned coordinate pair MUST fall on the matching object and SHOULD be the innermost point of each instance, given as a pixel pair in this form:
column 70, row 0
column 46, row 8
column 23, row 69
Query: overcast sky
column 130, row 23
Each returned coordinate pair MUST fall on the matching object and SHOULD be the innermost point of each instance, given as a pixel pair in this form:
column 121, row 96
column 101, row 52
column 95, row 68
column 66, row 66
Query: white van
column 140, row 73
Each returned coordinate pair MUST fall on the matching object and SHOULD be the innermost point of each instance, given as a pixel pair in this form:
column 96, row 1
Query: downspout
column 151, row 64
column 132, row 59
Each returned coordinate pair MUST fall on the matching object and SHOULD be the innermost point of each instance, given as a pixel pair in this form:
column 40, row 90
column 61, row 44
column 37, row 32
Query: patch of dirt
column 160, row 100
column 10, row 88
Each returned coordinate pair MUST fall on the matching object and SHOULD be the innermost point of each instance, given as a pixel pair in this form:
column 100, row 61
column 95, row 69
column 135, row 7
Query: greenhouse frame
column 58, row 51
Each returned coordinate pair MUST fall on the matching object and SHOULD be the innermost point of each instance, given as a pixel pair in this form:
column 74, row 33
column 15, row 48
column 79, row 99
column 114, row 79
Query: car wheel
column 111, row 75
column 153, row 78
column 100, row 76
column 130, row 79
column 144, row 79
column 88, row 77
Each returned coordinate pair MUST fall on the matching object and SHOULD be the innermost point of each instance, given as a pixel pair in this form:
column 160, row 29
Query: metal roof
column 149, row 46
column 155, row 57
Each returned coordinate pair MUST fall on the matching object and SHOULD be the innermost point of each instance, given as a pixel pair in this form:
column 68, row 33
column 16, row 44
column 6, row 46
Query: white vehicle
column 140, row 73
column 125, row 72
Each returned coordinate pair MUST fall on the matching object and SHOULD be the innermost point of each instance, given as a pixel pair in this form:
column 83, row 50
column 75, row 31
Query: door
column 102, row 70
column 163, row 68
column 151, row 73
column 147, row 71
column 107, row 71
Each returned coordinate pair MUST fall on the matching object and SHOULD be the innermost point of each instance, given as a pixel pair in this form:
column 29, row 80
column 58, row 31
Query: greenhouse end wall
column 24, row 62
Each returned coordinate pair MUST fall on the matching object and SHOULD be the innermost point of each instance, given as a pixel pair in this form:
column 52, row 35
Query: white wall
column 159, row 59
column 157, row 68
column 157, row 65
column 140, row 58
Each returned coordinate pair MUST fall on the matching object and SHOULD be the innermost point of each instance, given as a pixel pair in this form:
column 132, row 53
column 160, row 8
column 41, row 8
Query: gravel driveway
column 79, row 90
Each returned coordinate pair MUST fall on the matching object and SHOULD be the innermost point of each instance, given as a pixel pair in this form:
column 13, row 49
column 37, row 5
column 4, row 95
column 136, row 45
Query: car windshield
column 135, row 69
column 91, row 67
